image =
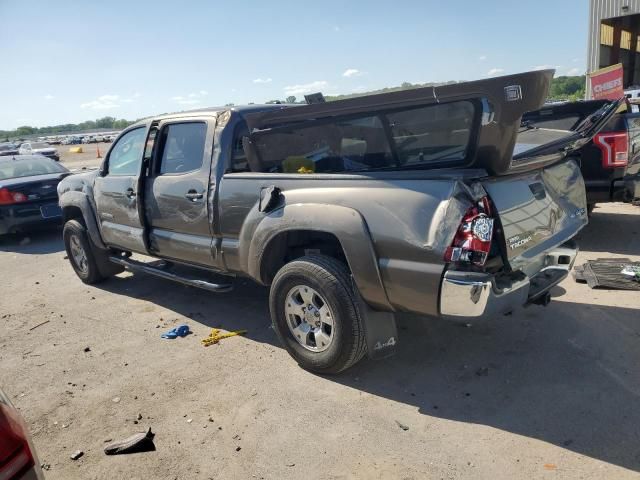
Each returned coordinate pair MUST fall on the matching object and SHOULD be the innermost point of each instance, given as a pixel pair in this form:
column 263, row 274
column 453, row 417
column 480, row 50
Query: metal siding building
column 614, row 31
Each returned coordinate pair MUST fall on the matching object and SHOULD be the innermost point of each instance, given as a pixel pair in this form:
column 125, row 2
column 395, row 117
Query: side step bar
column 158, row 271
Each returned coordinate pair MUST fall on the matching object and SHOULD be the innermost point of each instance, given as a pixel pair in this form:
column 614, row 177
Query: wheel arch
column 343, row 229
column 76, row 205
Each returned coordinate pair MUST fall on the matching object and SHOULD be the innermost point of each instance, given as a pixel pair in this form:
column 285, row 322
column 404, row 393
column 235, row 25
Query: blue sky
column 69, row 61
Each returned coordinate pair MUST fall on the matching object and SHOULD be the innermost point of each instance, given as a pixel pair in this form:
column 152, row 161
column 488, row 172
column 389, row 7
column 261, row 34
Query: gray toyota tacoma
column 437, row 201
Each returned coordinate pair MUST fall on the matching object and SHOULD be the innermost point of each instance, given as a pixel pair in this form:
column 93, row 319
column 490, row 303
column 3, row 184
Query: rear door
column 177, row 191
column 117, row 193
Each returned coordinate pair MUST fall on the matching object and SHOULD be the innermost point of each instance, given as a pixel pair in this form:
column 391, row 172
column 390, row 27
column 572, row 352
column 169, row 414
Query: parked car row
column 78, row 138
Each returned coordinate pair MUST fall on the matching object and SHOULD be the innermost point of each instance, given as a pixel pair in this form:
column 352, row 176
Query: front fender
column 345, row 223
column 81, row 201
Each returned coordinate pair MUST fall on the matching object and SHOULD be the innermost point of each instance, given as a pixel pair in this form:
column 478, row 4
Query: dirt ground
column 545, row 393
column 87, row 159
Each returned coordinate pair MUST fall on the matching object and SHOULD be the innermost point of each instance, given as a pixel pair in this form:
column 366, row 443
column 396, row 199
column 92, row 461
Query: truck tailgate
column 538, row 210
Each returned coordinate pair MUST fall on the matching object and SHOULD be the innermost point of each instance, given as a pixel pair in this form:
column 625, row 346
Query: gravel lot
column 545, row 393
column 88, row 157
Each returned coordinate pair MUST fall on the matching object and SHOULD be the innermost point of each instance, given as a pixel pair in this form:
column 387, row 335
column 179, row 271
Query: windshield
column 427, row 136
column 7, row 146
column 26, row 167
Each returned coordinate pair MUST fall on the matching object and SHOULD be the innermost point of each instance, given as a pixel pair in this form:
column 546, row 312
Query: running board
column 158, row 271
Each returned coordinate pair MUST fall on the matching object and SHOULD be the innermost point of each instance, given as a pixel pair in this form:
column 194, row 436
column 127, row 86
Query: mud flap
column 380, row 328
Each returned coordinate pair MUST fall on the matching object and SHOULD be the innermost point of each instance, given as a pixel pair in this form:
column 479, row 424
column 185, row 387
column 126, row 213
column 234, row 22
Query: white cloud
column 104, row 102
column 305, row 88
column 131, row 99
column 351, row 72
column 495, row 71
column 48, row 96
column 189, row 99
column 482, row 58
column 262, row 80
column 575, row 60
column 546, row 67
column 574, row 71
column 359, row 89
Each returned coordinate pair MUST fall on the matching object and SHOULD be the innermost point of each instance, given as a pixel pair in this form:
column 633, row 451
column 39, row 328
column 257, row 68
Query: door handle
column 193, row 195
column 130, row 193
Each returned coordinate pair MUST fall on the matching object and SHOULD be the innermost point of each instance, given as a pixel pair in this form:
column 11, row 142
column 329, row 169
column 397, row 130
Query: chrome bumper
column 474, row 296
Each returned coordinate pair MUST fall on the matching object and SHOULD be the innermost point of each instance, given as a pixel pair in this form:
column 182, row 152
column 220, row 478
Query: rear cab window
column 418, row 137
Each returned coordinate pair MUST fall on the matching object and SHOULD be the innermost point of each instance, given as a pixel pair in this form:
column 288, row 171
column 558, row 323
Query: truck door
column 177, row 191
column 117, row 195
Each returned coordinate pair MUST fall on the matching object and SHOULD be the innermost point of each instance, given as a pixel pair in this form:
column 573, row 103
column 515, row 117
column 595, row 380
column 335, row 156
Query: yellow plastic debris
column 75, row 150
column 215, row 336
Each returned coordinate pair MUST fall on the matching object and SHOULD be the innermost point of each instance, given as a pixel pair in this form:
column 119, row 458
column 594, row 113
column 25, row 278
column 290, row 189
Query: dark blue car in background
column 28, row 192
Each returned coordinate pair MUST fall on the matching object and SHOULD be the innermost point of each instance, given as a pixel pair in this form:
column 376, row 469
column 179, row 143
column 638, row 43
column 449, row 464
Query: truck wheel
column 90, row 265
column 314, row 313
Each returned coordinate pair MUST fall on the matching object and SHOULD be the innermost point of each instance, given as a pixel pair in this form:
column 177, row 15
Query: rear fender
column 345, row 223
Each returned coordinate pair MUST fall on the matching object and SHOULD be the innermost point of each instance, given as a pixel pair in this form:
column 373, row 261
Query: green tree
column 291, row 99
column 24, row 131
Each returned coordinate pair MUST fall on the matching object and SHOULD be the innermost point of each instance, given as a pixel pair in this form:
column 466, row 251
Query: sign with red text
column 606, row 83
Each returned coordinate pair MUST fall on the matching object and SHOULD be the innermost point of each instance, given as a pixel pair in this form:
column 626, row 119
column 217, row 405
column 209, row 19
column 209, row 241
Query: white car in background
column 42, row 148
column 99, row 138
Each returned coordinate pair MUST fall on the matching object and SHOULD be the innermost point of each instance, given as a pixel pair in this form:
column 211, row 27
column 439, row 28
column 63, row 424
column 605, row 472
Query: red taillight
column 15, row 453
column 7, row 197
column 614, row 147
column 472, row 241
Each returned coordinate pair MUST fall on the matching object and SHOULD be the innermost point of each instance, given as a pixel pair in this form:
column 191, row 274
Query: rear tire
column 314, row 313
column 90, row 264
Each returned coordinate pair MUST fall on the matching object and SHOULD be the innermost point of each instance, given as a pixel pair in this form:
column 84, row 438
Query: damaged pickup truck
column 435, row 201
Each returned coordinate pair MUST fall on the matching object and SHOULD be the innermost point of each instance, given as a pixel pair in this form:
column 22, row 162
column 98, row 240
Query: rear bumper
column 24, row 217
column 632, row 187
column 600, row 191
column 470, row 296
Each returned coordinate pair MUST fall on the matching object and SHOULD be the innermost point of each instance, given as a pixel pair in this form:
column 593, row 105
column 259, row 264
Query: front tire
column 83, row 257
column 314, row 313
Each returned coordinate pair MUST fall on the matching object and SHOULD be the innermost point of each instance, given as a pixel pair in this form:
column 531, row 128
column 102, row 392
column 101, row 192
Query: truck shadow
column 568, row 375
column 611, row 232
column 35, row 242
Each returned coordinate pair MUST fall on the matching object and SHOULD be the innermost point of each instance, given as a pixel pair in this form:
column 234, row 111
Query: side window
column 126, row 154
column 421, row 137
column 182, row 147
column 238, row 157
column 432, row 134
